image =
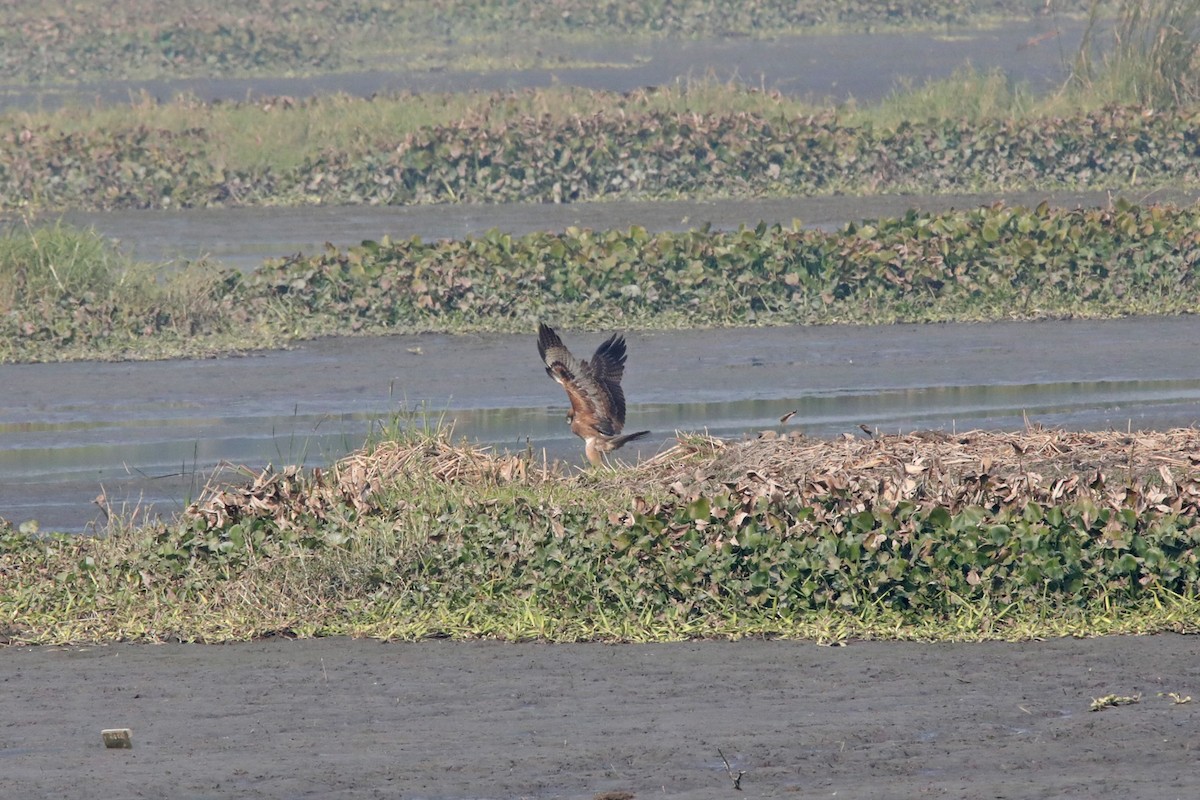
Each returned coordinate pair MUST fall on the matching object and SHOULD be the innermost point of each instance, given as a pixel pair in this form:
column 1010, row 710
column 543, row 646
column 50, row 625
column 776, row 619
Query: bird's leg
column 593, row 455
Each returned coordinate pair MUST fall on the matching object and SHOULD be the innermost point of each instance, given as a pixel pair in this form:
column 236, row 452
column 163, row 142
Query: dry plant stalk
column 1158, row 470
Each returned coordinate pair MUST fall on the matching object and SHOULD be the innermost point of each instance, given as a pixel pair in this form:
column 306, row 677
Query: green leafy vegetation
column 1126, row 119
column 918, row 536
column 649, row 155
column 986, row 264
column 990, row 263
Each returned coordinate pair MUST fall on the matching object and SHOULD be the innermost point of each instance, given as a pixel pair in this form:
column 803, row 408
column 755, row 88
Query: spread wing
column 595, row 407
column 607, row 367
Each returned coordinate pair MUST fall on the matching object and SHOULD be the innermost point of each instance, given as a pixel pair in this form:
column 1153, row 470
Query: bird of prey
column 597, row 412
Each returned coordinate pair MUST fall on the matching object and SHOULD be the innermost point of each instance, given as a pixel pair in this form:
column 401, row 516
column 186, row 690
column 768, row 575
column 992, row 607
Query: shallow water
column 244, row 237
column 1037, row 52
column 70, row 431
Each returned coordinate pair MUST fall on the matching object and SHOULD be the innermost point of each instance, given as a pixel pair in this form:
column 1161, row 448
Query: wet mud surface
column 355, row 718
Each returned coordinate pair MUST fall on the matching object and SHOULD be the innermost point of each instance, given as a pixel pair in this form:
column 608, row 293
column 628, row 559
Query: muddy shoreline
column 358, row 718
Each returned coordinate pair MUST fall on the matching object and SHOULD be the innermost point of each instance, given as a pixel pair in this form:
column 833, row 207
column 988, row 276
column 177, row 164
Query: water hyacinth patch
column 651, row 154
column 990, row 263
column 994, row 262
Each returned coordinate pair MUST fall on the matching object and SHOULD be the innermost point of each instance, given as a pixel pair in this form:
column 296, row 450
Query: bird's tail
column 619, row 441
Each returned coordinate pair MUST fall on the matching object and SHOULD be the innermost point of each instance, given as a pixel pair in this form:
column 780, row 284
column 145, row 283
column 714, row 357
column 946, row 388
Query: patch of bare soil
column 357, row 718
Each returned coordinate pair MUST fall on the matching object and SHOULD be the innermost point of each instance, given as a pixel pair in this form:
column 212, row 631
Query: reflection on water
column 51, row 471
column 184, row 446
column 1074, row 405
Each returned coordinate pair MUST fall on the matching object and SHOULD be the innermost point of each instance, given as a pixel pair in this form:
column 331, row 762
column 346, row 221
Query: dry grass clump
column 293, row 500
column 1146, row 470
column 1053, row 452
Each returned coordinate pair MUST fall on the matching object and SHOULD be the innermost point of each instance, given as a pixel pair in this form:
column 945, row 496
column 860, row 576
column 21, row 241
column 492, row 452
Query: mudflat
column 440, row 719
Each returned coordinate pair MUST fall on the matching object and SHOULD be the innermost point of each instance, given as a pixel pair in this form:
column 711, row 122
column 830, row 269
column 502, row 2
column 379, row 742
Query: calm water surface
column 152, row 433
column 864, row 67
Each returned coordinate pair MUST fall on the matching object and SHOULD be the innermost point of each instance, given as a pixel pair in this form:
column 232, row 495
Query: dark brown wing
column 591, row 399
column 607, row 366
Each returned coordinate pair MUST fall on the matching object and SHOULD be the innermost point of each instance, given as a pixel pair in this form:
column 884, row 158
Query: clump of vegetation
column 982, row 535
column 652, row 153
column 989, row 263
column 67, row 293
column 1129, row 122
column 986, row 264
column 38, row 268
column 1154, row 57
